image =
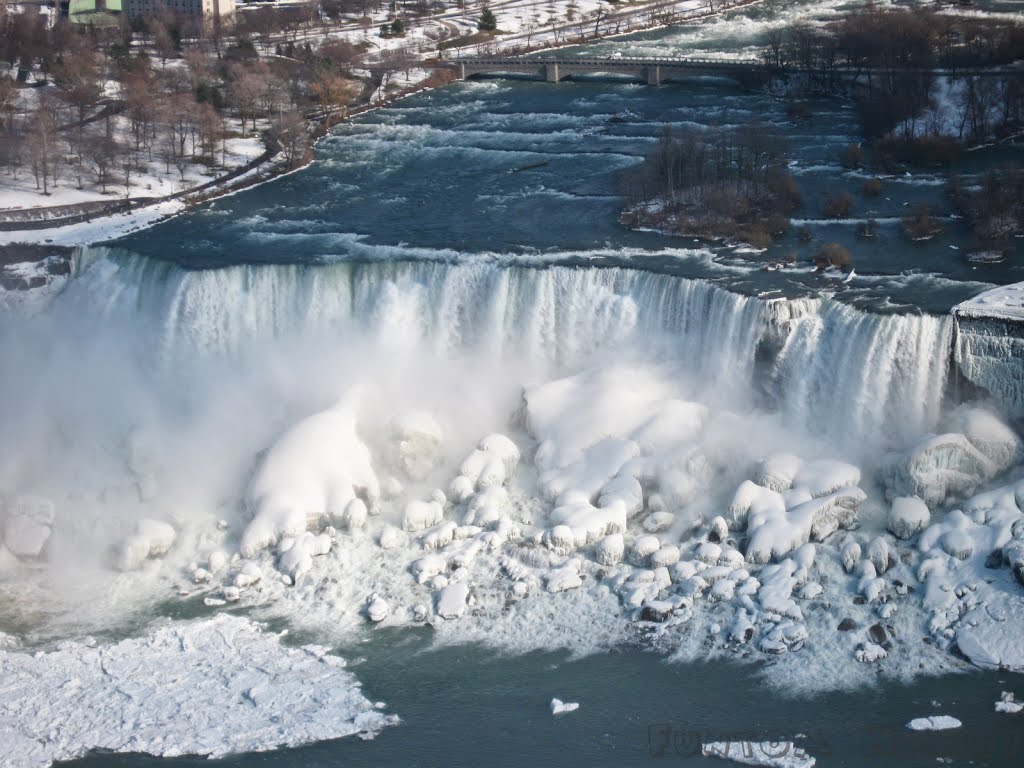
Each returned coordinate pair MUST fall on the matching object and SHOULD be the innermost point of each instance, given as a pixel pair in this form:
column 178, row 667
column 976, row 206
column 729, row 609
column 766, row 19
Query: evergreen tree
column 487, row 23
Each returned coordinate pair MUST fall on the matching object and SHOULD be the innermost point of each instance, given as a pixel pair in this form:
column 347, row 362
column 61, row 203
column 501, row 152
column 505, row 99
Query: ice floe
column 212, row 687
column 934, row 723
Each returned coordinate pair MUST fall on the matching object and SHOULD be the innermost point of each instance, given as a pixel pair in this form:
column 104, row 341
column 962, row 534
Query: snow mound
column 934, row 723
column 308, row 476
column 213, row 687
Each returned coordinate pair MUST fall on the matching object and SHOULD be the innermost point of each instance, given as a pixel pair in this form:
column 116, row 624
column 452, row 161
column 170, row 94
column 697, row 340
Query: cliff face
column 989, row 352
column 24, row 267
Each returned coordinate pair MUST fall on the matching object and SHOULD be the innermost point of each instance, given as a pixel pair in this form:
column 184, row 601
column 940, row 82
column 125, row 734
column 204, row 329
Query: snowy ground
column 152, row 179
column 1006, row 302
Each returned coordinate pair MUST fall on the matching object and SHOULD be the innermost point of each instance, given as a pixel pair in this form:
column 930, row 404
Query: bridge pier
column 653, row 74
column 551, row 72
column 462, row 70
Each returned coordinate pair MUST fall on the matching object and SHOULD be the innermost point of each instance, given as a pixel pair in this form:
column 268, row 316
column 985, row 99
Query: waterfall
column 853, row 375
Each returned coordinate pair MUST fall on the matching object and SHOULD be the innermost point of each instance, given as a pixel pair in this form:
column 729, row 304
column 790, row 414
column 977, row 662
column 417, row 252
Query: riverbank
column 90, row 222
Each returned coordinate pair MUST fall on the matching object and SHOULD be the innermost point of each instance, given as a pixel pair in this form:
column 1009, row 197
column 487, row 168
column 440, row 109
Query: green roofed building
column 99, row 13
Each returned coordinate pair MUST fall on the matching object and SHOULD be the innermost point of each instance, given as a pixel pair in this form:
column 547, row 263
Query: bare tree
column 288, row 131
column 44, row 145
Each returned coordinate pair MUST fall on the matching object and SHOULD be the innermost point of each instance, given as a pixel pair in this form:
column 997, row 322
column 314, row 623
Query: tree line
column 721, row 183
column 887, row 47
column 96, row 107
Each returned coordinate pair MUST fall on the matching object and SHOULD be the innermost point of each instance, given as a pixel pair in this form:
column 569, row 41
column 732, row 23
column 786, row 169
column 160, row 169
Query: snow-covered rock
column 936, row 469
column 777, row 472
column 986, row 432
column 152, row 538
column 826, row 476
column 908, row 516
column 642, row 548
column 296, row 555
column 610, row 549
column 420, row 515
column 451, row 601
column 377, row 609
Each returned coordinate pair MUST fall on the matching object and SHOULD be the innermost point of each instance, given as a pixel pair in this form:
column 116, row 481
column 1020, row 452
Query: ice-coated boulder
column 936, row 469
column 311, row 473
column 152, row 538
column 376, row 609
column 708, row 552
column 419, row 438
column 248, row 574
column 665, row 556
column 908, row 516
column 28, row 525
column 957, row 543
column 451, row 601
column 625, row 489
column 658, row 521
column 642, row 549
column 587, row 522
column 502, row 446
column 355, row 514
column 772, row 533
column 986, row 432
column 751, row 498
column 461, row 489
column 610, row 549
column 559, row 539
column 718, row 530
column 880, row 554
column 850, row 555
column 563, row 579
column 296, row 555
column 391, row 537
column 420, row 515
column 826, row 476
column 777, row 472
column 486, row 507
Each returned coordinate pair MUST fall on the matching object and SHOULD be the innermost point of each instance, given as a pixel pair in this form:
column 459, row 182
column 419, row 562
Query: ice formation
column 501, row 462
column 934, row 723
column 1008, row 703
column 559, row 707
column 775, row 754
column 211, row 687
